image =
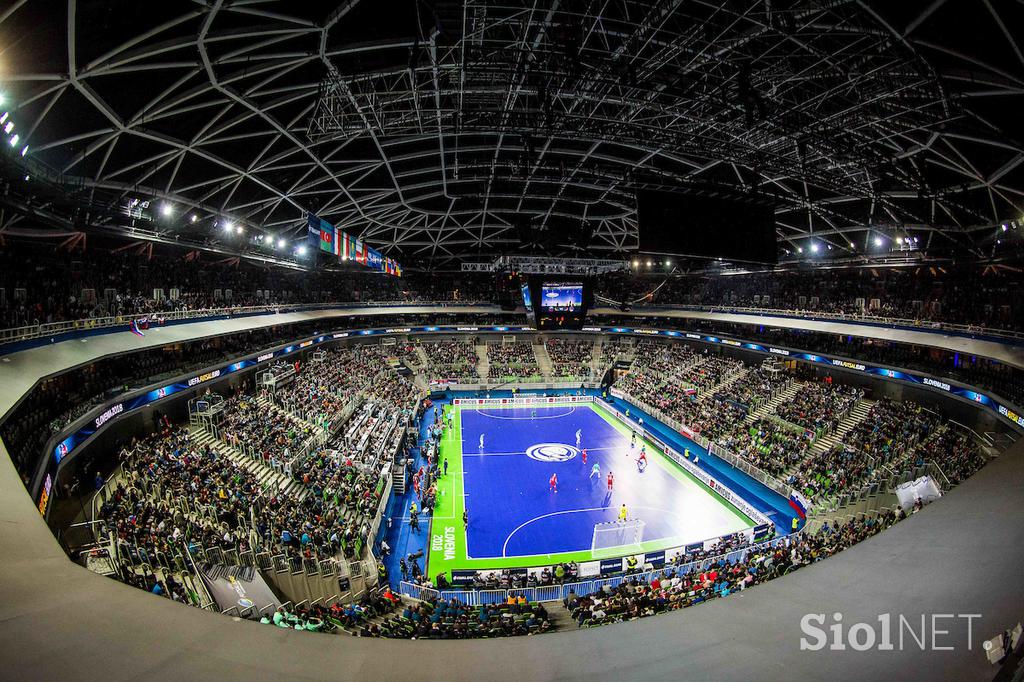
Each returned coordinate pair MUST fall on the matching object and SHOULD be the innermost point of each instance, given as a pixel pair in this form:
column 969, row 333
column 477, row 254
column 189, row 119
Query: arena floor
column 516, row 519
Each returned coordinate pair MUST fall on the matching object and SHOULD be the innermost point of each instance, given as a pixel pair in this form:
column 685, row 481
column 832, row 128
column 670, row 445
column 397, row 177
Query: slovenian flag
column 799, row 504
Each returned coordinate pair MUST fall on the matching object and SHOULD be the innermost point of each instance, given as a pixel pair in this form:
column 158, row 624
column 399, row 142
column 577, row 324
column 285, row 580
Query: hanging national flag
column 326, row 237
column 799, row 504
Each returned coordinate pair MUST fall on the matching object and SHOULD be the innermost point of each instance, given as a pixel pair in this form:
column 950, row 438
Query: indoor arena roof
column 442, row 129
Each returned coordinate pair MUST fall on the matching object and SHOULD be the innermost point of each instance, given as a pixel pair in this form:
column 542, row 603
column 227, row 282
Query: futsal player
column 579, row 436
column 481, row 441
column 553, row 483
column 632, row 441
column 623, row 512
column 611, row 482
column 641, row 462
column 595, row 471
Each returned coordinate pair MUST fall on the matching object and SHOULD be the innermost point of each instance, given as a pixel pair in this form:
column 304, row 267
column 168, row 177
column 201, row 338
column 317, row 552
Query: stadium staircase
column 727, row 382
column 540, row 352
column 265, row 476
column 597, row 369
column 422, row 355
column 769, row 407
column 858, row 414
column 559, row 616
column 483, row 366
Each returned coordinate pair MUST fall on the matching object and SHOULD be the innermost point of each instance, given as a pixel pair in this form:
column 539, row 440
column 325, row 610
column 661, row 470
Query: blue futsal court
column 513, row 513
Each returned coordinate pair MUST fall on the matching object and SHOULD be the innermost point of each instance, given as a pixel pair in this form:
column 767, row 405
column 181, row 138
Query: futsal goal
column 616, row 538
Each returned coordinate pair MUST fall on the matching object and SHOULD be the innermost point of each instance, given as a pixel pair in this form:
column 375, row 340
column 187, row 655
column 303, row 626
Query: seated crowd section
column 675, row 589
column 455, row 359
column 773, row 419
column 40, row 284
column 967, row 294
column 570, row 358
column 894, row 436
column 508, row 361
column 273, row 482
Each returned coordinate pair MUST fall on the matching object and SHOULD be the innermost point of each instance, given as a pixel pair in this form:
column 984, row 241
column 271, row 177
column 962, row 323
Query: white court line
column 550, row 416
column 504, row 546
column 488, row 454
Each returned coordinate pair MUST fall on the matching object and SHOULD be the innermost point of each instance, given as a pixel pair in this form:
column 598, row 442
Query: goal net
column 616, row 538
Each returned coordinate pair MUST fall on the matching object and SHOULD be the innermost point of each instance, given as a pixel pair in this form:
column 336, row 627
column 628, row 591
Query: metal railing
column 559, row 592
column 857, row 318
column 48, row 329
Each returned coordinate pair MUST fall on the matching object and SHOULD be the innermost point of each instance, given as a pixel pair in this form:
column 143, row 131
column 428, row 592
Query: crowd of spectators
column 351, row 616
column 616, row 349
column 40, row 284
column 954, row 452
column 711, row 371
column 819, row 406
column 570, row 358
column 512, row 360
column 888, row 437
column 454, row 359
column 754, row 387
column 967, row 294
column 663, row 358
column 767, row 444
column 637, row 597
column 451, row 619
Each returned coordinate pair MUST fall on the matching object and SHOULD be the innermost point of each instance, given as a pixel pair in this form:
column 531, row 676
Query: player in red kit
column 641, row 461
column 611, row 481
column 584, row 456
column 553, row 483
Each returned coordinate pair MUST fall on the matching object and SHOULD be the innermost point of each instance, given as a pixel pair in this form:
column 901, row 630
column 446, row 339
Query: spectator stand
column 560, row 591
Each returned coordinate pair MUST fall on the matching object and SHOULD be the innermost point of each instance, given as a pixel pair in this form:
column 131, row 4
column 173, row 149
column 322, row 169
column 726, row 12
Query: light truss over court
column 447, row 130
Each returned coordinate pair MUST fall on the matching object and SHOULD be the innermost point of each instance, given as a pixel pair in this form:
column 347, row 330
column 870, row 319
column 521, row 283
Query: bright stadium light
column 14, row 140
column 3, row 119
column 193, row 218
column 9, row 127
column 814, row 248
column 301, row 250
column 799, row 249
column 166, row 210
column 239, row 229
column 227, row 225
column 878, row 241
column 24, row 150
column 280, row 243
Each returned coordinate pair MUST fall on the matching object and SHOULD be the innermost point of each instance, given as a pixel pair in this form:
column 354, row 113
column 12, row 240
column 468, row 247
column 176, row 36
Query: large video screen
column 526, row 298
column 561, row 298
